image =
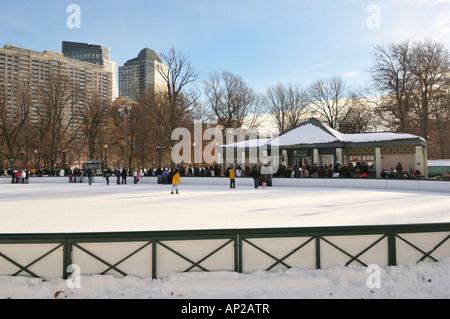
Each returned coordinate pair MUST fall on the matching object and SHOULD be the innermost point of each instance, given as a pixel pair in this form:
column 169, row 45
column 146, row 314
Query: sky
column 263, row 41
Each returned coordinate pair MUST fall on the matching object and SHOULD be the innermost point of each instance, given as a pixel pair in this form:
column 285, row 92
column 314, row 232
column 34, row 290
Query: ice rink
column 66, row 208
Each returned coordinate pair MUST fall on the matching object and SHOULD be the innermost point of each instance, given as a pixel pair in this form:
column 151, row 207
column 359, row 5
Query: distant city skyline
column 264, row 41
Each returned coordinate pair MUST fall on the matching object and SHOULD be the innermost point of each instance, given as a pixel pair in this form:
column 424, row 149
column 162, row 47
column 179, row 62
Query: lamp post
column 193, row 157
column 35, row 160
column 106, row 150
column 158, row 149
column 125, row 112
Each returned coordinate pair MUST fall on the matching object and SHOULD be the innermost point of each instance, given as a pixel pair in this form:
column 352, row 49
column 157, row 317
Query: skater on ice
column 175, row 182
column 232, row 178
column 124, row 176
column 89, row 174
column 255, row 174
column 108, row 173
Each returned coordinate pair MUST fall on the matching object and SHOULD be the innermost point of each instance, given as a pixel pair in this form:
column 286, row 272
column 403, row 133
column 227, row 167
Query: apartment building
column 95, row 54
column 21, row 67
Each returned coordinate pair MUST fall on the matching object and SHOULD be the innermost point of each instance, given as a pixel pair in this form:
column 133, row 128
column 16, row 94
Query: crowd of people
column 32, row 172
column 353, row 170
column 19, row 176
column 399, row 172
column 78, row 174
column 165, row 175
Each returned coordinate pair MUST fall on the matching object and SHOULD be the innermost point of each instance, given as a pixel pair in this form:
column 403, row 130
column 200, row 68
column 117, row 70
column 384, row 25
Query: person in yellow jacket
column 232, row 178
column 175, row 182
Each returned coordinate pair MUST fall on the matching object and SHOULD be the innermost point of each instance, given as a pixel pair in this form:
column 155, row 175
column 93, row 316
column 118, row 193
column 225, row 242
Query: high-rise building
column 92, row 53
column 141, row 73
column 20, row 68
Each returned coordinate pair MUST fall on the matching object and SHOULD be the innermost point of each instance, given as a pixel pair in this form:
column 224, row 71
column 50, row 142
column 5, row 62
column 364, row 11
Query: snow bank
column 439, row 163
column 414, row 281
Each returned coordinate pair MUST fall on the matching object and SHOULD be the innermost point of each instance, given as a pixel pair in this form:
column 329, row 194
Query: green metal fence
column 160, row 253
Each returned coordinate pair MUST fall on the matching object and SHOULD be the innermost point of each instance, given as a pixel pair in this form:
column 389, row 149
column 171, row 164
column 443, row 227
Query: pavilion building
column 313, row 142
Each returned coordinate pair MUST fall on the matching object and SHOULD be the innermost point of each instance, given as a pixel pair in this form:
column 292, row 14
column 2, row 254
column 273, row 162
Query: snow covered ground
column 425, row 280
column 59, row 208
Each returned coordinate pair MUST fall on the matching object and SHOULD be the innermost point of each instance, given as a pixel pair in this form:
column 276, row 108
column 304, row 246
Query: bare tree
column 232, row 103
column 60, row 115
column 174, row 105
column 430, row 67
column 287, row 105
column 412, row 79
column 392, row 78
column 179, row 99
column 440, row 124
column 94, row 118
column 359, row 117
column 14, row 116
column 330, row 99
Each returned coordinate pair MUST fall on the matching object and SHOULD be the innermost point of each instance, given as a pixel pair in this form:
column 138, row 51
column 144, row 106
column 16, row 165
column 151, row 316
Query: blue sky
column 262, row 41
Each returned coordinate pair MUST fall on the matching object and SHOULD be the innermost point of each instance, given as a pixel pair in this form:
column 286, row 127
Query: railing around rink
column 357, row 183
column 160, row 253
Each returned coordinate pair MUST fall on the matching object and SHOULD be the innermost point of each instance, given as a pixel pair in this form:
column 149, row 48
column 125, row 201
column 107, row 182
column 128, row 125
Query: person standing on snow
column 264, row 179
column 138, row 176
column 89, row 174
column 255, row 174
column 135, row 179
column 81, row 174
column 124, row 175
column 175, row 182
column 165, row 177
column 108, row 173
column 232, row 178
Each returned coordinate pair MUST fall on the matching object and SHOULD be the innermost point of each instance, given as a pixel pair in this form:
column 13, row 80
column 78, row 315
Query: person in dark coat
column 124, row 176
column 89, row 174
column 255, row 174
column 108, row 173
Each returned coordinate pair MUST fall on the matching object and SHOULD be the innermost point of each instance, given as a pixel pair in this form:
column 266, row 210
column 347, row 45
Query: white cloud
column 441, row 25
column 351, row 74
column 319, row 65
column 414, row 20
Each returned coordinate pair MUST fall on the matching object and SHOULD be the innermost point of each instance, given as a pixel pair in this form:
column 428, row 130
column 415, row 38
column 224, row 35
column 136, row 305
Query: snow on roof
column 315, row 132
column 249, row 143
column 377, row 137
column 305, row 134
column 436, row 163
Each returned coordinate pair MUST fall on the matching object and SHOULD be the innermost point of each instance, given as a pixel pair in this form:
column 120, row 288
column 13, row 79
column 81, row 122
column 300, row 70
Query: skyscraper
column 140, row 73
column 92, row 53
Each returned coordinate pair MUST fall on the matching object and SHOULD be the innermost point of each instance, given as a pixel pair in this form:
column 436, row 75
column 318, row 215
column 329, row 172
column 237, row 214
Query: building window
column 326, row 160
